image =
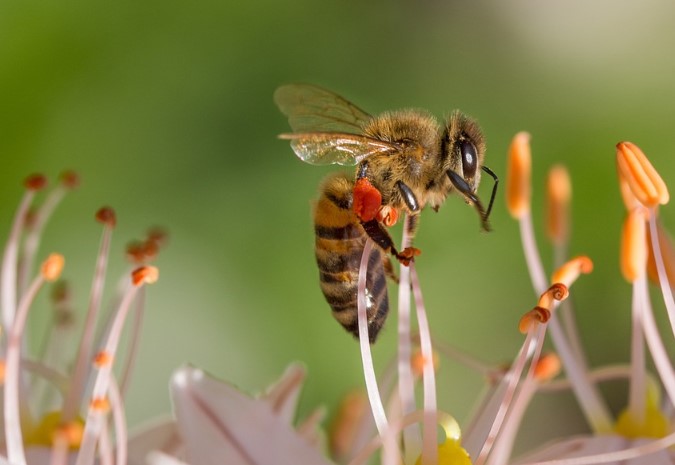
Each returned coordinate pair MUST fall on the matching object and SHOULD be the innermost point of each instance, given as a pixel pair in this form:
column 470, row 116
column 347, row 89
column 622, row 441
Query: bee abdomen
column 340, row 240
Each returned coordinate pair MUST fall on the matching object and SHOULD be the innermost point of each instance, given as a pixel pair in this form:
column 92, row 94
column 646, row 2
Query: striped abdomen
column 340, row 240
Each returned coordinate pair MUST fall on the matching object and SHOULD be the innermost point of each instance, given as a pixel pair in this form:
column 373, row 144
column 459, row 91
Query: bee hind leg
column 381, row 237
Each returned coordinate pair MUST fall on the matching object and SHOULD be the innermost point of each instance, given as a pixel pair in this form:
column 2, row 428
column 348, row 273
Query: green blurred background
column 165, row 109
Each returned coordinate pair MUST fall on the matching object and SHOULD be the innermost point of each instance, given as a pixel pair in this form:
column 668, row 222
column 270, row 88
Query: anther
column 52, row 267
column 100, row 404
column 70, row 433
column 102, row 359
column 417, row 362
column 548, row 367
column 644, row 181
column 518, row 175
column 634, row 245
column 70, row 179
column 35, row 182
column 144, row 275
column 136, row 252
column 157, row 235
column 106, row 215
column 538, row 315
column 570, row 271
column 558, row 195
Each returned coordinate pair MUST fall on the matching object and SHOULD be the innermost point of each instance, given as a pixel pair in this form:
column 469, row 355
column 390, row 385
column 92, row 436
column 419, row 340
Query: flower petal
column 219, row 424
column 283, row 395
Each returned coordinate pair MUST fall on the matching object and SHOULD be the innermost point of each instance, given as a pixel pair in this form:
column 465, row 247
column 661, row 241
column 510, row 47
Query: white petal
column 221, row 425
column 584, row 446
column 160, row 436
column 284, row 394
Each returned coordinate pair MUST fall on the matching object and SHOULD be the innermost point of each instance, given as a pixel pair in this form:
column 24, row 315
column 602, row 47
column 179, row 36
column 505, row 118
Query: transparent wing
column 313, row 109
column 327, row 148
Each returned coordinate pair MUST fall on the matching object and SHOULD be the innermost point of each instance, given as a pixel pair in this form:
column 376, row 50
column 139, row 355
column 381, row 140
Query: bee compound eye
column 469, row 158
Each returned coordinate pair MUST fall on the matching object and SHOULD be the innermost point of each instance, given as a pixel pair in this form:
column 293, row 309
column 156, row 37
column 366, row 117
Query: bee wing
column 327, row 148
column 313, row 109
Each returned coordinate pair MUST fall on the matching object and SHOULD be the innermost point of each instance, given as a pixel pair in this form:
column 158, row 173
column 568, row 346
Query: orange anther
column 557, row 291
column 518, row 190
column 387, row 215
column 558, row 195
column 102, row 358
column 535, row 316
column 2, row 372
column 343, row 432
column 100, row 404
column 634, row 245
column 52, row 267
column 70, row 433
column 548, row 367
column 570, row 271
column 644, row 181
column 417, row 362
column 144, row 275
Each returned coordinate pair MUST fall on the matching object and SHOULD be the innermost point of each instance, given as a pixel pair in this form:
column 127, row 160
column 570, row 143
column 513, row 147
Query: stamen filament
column 429, row 442
column 666, row 291
column 8, row 286
column 637, row 392
column 95, row 417
column 13, row 434
column 74, row 398
column 366, row 356
column 406, row 386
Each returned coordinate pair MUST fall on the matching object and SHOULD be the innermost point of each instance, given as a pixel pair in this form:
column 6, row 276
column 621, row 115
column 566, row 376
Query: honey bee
column 405, row 160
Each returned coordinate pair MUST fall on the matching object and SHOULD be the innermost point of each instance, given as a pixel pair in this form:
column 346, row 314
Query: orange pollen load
column 570, row 271
column 144, row 275
column 102, row 359
column 52, row 267
column 100, row 404
column 70, row 179
column 106, row 216
column 35, row 182
column 535, row 316
column 519, row 172
column 367, row 200
column 644, row 181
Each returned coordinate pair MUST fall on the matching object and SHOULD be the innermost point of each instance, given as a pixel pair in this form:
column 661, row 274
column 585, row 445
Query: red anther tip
column 70, row 179
column 144, row 275
column 367, row 200
column 136, row 252
column 158, row 235
column 106, row 215
column 35, row 182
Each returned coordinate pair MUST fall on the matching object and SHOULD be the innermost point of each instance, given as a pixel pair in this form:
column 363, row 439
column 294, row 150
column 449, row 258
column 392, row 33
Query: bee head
column 462, row 153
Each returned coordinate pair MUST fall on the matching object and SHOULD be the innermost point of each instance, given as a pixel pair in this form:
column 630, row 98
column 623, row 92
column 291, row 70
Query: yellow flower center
column 654, row 424
column 450, row 453
column 51, row 430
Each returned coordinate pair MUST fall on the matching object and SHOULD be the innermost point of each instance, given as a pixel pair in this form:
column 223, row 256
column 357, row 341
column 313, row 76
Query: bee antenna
column 494, row 189
column 462, row 186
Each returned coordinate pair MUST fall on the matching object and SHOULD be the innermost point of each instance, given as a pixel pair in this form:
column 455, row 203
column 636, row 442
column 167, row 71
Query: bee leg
column 389, row 269
column 381, row 237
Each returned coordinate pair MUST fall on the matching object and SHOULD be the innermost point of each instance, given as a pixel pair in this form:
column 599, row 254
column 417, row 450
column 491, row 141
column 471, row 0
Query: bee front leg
column 381, row 237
